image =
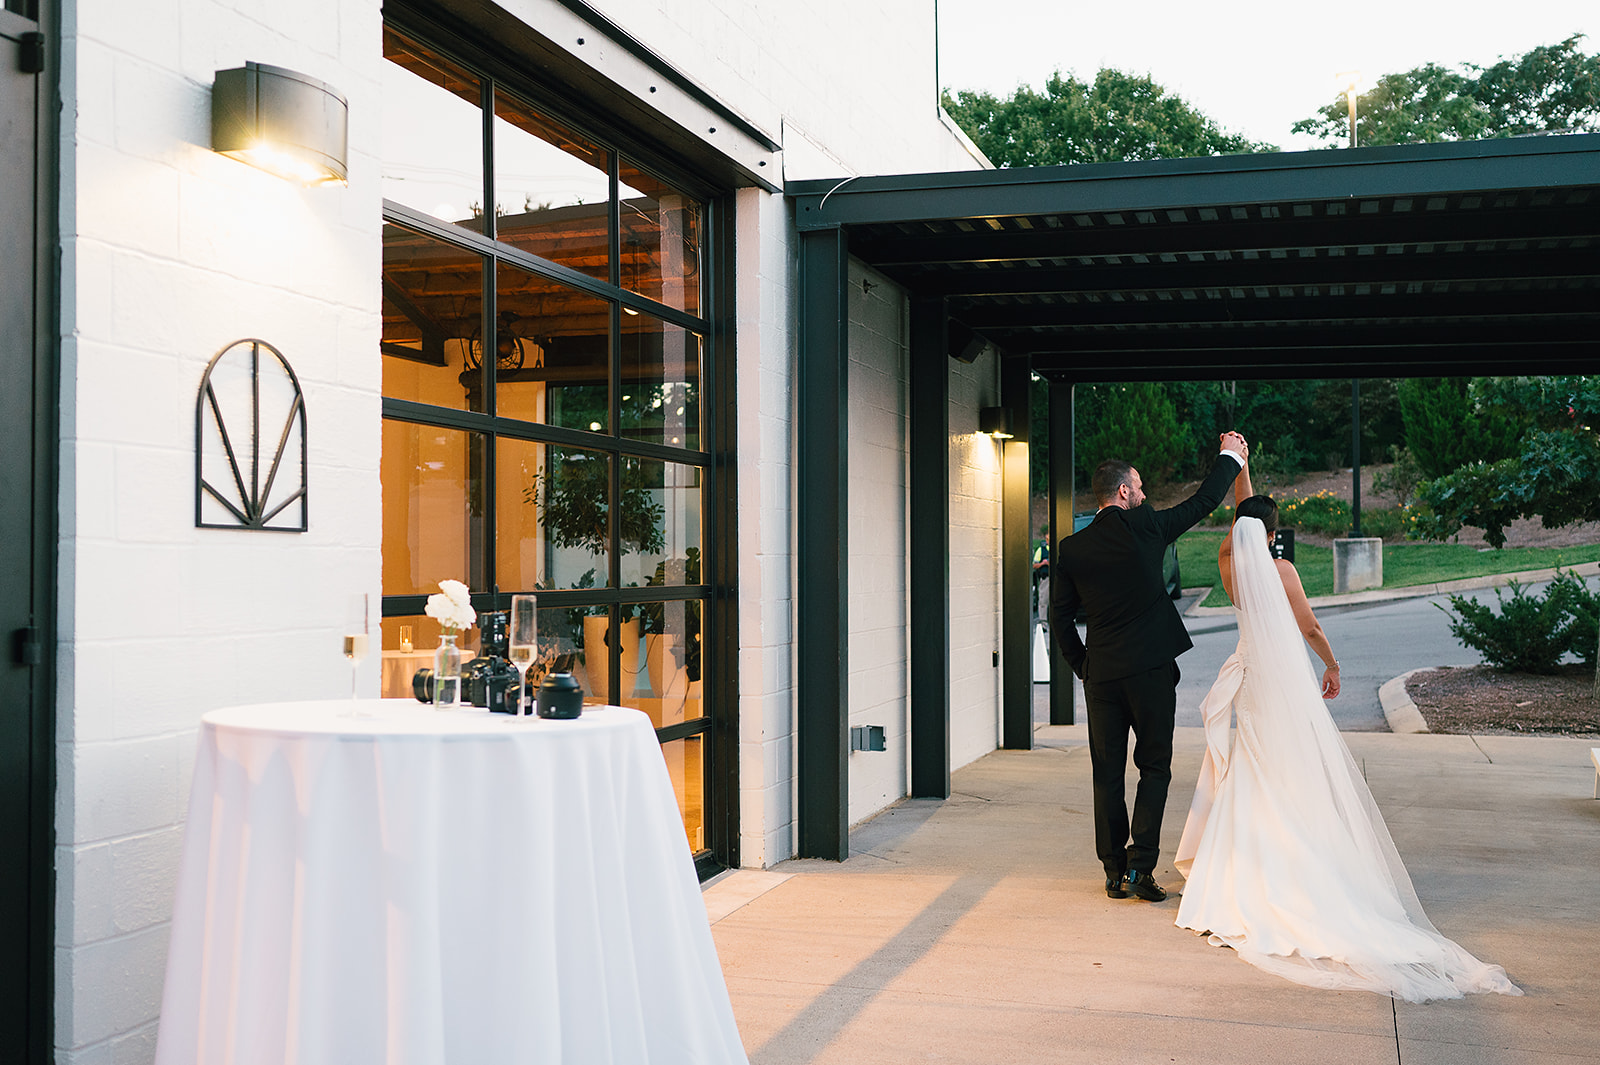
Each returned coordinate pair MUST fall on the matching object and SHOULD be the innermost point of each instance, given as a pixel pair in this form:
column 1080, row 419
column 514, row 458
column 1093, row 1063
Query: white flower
column 457, row 593
column 453, row 608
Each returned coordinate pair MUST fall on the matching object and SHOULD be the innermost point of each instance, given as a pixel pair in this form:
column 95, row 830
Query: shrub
column 1529, row 635
column 1583, row 612
column 1387, row 522
column 1323, row 513
column 1401, row 477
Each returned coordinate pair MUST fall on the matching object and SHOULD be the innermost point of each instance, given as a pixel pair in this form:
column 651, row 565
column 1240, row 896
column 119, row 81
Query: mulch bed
column 1465, row 699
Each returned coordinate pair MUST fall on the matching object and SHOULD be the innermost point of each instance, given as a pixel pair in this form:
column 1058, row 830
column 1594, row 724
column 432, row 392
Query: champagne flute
column 522, row 638
column 355, row 636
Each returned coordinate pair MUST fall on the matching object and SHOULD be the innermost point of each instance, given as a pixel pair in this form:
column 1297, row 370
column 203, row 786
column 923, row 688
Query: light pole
column 1350, row 85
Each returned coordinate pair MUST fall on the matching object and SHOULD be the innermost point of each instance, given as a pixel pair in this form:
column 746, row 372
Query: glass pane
column 552, row 190
column 660, row 523
column 669, row 687
column 555, row 353
column 432, row 133
column 686, row 766
column 408, row 645
column 432, row 315
column 432, row 508
column 661, row 234
column 660, row 382
column 552, row 505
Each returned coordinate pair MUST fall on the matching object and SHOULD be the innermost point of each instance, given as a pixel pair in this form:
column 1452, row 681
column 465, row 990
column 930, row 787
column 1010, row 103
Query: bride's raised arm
column 1241, row 492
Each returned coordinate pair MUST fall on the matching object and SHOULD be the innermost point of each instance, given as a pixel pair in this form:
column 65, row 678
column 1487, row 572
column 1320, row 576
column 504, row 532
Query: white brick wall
column 171, row 252
column 974, row 564
column 859, row 79
column 765, row 340
column 876, row 525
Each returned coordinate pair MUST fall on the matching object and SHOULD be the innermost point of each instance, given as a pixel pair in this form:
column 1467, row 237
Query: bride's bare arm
column 1241, row 492
column 1310, row 627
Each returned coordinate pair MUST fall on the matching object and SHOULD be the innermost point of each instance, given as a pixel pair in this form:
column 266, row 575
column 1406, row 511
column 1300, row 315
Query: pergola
column 1436, row 259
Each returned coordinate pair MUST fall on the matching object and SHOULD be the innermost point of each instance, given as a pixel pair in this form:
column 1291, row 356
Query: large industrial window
column 545, row 396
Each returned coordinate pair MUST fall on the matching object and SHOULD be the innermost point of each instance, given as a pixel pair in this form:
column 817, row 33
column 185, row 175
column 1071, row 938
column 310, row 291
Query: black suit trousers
column 1144, row 704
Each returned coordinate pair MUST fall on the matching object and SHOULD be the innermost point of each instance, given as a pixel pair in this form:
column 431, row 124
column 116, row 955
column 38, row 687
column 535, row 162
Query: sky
column 1254, row 66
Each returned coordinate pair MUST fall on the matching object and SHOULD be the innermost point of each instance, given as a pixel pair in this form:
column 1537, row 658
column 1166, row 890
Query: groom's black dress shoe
column 1114, row 888
column 1144, row 886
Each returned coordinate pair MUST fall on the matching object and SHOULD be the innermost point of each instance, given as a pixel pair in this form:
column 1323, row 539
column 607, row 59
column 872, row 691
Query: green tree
column 1553, row 88
column 1137, row 423
column 1453, row 421
column 1115, row 117
column 1555, row 476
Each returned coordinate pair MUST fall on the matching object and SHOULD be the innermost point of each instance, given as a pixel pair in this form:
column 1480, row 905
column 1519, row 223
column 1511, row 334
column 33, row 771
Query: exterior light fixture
column 281, row 122
column 996, row 421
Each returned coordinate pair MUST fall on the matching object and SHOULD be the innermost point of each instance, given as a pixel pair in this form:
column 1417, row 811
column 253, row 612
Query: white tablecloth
column 429, row 886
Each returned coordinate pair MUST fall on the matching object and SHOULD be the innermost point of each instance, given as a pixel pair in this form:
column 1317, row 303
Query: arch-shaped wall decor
column 250, row 396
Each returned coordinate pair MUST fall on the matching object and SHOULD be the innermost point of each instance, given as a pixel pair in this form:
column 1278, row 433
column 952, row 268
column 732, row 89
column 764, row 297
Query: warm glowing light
column 594, row 427
column 286, row 165
column 1350, row 81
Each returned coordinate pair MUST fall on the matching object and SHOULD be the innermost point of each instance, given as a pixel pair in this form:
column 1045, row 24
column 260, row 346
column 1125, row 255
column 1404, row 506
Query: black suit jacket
column 1113, row 569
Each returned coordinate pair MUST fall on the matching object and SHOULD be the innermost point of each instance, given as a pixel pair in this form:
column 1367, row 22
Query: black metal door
column 26, row 450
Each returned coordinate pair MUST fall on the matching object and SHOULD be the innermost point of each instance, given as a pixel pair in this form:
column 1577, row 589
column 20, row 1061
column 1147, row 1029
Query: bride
column 1287, row 857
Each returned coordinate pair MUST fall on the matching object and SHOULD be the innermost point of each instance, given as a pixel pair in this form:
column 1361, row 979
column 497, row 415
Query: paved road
column 1374, row 642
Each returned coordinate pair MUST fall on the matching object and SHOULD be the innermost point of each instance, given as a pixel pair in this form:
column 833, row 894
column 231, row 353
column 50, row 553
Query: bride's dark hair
column 1262, row 508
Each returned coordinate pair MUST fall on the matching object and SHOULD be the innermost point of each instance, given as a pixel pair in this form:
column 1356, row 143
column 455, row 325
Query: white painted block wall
column 171, row 252
column 974, row 563
column 878, row 506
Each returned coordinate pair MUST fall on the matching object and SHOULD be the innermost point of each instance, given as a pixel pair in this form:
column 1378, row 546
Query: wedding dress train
column 1287, row 858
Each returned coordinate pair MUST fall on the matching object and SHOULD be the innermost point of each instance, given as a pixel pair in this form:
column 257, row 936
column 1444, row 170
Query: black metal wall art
column 250, row 398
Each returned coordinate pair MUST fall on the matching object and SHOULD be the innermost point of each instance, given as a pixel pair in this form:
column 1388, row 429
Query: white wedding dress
column 1287, row 857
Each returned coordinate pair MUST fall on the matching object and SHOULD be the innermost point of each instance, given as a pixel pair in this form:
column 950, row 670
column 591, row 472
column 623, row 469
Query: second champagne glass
column 522, row 640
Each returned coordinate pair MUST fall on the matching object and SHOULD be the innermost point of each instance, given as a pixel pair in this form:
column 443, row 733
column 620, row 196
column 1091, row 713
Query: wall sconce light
column 281, row 122
column 996, row 421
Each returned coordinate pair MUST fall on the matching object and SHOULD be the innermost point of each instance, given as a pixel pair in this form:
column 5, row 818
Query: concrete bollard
column 1357, row 564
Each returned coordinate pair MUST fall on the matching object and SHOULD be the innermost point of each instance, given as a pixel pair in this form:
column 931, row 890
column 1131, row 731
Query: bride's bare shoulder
column 1287, row 573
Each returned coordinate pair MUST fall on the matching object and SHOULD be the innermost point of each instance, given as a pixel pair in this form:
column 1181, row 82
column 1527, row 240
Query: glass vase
column 447, row 673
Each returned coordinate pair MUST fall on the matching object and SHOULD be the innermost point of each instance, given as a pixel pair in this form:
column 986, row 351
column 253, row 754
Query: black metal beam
column 1415, row 170
column 821, row 594
column 1063, row 463
column 722, row 609
column 1016, row 577
column 1287, row 235
column 1381, row 266
column 1257, row 338
column 1349, row 310
column 1280, row 364
column 930, row 550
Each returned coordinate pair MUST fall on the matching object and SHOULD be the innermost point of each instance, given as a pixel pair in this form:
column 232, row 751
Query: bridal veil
column 1287, row 856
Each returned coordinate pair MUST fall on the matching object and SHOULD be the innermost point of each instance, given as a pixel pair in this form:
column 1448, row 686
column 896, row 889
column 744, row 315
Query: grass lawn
column 1404, row 565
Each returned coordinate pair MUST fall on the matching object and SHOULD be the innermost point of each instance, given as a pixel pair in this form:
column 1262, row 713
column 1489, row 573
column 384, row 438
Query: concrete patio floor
column 975, row 930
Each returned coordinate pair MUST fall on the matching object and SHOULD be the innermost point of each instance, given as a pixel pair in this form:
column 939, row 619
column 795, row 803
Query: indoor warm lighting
column 281, row 122
column 996, row 421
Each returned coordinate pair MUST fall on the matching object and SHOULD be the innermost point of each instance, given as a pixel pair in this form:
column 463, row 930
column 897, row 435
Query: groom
column 1112, row 571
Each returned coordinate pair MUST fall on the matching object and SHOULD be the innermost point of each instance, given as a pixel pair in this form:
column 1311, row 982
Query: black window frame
column 717, row 726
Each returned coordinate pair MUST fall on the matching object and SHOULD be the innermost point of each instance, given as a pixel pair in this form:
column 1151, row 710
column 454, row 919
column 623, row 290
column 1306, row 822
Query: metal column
column 930, row 550
column 822, row 591
column 1016, row 576
column 1063, row 461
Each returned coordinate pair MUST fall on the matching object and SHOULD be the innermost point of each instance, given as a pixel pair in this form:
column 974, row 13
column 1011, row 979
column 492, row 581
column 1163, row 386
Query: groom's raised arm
column 1175, row 521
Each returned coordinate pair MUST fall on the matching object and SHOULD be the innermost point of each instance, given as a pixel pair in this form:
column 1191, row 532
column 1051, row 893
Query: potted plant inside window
column 572, row 496
column 672, row 636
